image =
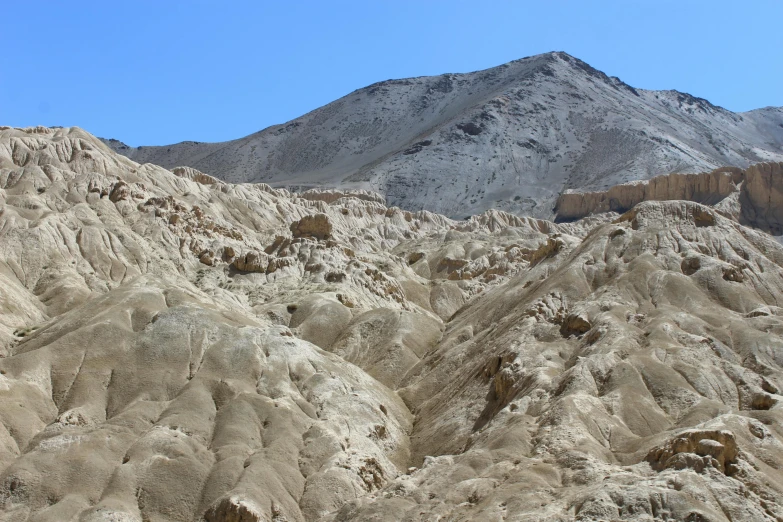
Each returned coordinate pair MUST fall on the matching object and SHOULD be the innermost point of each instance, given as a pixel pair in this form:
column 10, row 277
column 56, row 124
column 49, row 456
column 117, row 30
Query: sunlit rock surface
column 178, row 348
column 512, row 137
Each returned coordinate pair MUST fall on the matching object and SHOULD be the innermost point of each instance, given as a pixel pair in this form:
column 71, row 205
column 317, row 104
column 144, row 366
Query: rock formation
column 761, row 199
column 753, row 196
column 178, row 348
column 706, row 188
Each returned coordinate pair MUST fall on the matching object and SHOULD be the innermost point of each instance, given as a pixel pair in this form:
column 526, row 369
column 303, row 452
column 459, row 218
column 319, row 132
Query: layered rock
column 707, row 188
column 762, row 197
column 753, row 196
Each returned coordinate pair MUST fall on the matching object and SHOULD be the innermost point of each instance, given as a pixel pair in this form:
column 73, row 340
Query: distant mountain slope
column 511, row 137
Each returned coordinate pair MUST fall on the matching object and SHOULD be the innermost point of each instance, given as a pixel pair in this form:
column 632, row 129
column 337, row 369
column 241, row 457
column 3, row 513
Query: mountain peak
column 511, row 137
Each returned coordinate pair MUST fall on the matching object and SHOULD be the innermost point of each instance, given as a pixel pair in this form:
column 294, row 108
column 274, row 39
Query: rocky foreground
column 177, row 348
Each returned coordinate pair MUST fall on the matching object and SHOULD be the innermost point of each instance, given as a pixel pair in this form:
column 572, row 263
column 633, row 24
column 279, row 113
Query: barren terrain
column 512, row 137
column 178, row 348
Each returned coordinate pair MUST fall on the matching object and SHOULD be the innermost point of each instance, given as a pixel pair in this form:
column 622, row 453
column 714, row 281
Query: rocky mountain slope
column 512, row 137
column 177, row 348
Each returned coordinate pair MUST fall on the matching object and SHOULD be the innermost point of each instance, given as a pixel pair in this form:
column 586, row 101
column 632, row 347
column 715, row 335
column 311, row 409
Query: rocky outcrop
column 753, row 196
column 761, row 199
column 195, row 175
column 315, row 226
column 696, row 449
column 707, row 188
column 252, row 262
column 234, row 510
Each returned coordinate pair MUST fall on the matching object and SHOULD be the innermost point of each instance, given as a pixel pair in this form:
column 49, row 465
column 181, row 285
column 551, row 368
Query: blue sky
column 151, row 73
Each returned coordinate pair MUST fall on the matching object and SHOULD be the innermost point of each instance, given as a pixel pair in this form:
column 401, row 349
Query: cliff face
column 707, row 188
column 753, row 196
column 761, row 198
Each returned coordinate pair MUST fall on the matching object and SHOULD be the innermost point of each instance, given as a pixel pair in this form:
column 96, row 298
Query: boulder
column 315, row 226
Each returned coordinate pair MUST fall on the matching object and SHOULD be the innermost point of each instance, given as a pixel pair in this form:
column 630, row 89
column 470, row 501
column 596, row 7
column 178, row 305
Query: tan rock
column 719, row 446
column 707, row 188
column 252, row 262
column 762, row 197
column 606, row 369
column 315, row 226
column 119, row 191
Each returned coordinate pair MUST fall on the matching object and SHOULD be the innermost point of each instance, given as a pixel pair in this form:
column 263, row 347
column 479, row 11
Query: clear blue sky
column 160, row 72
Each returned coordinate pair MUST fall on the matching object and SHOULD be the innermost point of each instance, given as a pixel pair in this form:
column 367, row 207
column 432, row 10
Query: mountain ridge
column 511, row 137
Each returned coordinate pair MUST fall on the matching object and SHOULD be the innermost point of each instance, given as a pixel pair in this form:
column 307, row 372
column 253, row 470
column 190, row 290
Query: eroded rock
column 689, row 449
column 186, row 358
column 315, row 226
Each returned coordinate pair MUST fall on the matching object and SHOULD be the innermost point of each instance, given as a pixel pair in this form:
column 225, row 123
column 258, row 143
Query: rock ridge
column 753, row 196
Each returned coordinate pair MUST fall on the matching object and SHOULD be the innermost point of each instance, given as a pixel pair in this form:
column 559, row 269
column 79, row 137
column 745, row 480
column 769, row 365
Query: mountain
column 174, row 347
column 512, row 137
